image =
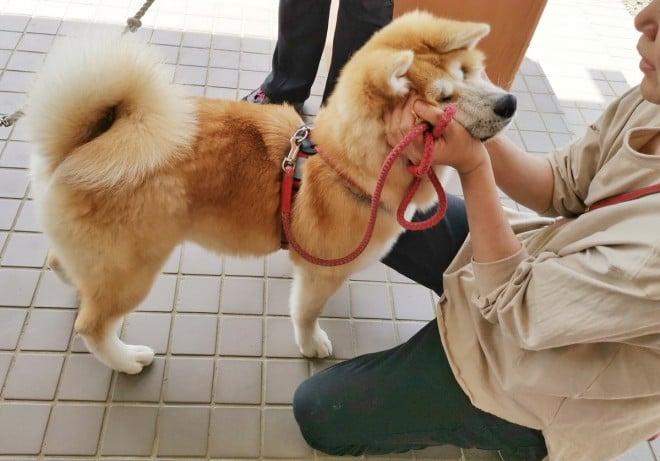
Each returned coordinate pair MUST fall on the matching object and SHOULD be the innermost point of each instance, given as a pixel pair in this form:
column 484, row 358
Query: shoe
column 259, row 96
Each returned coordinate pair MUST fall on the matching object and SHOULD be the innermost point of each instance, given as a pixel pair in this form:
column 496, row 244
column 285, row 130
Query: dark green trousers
column 407, row 398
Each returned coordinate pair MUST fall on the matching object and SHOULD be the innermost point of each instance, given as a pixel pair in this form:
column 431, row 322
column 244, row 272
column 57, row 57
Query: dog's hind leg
column 102, row 309
column 309, row 293
column 103, row 341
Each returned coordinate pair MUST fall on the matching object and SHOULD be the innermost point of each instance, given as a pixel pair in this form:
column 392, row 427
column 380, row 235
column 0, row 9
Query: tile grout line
column 264, row 342
column 179, row 276
column 264, row 355
column 53, row 402
column 166, row 358
column 105, row 404
column 10, row 231
column 208, row 60
column 106, row 413
column 393, row 319
column 264, row 329
column 29, row 309
column 67, row 353
column 215, row 377
column 3, row 249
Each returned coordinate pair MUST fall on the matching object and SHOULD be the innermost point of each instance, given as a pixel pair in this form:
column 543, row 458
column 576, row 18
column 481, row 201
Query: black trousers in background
column 407, row 397
column 302, row 30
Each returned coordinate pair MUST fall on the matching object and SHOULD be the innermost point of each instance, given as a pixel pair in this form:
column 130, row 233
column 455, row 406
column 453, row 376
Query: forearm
column 492, row 236
column 525, row 178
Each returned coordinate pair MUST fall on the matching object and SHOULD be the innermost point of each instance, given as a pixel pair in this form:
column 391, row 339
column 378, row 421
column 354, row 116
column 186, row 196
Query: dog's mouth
column 488, row 129
column 486, row 138
column 486, row 117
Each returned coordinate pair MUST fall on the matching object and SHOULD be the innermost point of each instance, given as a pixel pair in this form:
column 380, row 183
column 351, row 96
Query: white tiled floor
column 226, row 366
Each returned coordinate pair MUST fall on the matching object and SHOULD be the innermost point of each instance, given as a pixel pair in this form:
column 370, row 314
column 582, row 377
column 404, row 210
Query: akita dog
column 126, row 168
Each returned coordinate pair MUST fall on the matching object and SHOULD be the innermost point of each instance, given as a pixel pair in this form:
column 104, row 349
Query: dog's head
column 437, row 59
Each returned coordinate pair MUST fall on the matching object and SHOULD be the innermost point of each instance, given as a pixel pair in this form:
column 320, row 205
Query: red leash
column 419, row 171
column 637, row 193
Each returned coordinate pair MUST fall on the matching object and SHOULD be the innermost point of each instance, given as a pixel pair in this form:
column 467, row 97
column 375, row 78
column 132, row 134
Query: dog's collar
column 351, row 186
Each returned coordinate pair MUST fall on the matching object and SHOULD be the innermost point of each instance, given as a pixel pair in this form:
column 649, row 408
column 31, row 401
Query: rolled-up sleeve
column 492, row 275
column 575, row 166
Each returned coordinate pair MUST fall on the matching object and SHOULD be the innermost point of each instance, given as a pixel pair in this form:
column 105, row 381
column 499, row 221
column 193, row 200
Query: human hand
column 455, row 147
column 399, row 122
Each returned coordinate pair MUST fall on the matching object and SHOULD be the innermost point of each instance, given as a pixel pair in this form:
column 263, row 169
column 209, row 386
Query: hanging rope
column 9, row 120
column 132, row 24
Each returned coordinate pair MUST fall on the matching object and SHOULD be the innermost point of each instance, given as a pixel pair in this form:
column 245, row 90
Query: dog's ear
column 397, row 66
column 420, row 30
column 386, row 71
column 465, row 35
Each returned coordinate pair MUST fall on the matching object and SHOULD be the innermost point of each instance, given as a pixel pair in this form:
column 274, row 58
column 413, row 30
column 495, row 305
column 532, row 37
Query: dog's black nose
column 505, row 107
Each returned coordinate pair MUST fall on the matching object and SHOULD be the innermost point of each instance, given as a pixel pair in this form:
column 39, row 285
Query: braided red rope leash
column 632, row 195
column 419, row 171
column 424, row 169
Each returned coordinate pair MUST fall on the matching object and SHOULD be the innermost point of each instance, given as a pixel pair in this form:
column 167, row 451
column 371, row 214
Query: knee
column 318, row 420
column 308, row 411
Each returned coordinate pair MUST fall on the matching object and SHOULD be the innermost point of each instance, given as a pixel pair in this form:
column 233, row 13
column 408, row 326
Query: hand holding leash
column 454, row 146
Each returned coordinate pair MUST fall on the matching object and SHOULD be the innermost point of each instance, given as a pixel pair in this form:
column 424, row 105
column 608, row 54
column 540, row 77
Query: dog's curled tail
column 102, row 112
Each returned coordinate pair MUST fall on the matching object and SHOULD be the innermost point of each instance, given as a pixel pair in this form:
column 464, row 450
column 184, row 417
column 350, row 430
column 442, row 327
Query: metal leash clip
column 296, row 140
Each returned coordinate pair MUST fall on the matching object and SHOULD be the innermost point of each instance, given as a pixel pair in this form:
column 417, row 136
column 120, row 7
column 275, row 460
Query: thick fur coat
column 126, row 167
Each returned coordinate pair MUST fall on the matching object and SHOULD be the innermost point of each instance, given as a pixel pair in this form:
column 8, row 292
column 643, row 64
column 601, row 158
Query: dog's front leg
column 309, row 293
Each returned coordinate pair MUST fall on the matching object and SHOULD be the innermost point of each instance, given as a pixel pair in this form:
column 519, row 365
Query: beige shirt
column 564, row 336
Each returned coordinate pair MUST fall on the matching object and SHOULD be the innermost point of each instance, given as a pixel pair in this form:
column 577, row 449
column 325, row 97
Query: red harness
column 292, row 166
column 419, row 171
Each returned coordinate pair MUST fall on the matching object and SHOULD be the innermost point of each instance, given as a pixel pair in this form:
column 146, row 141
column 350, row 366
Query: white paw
column 315, row 345
column 134, row 359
